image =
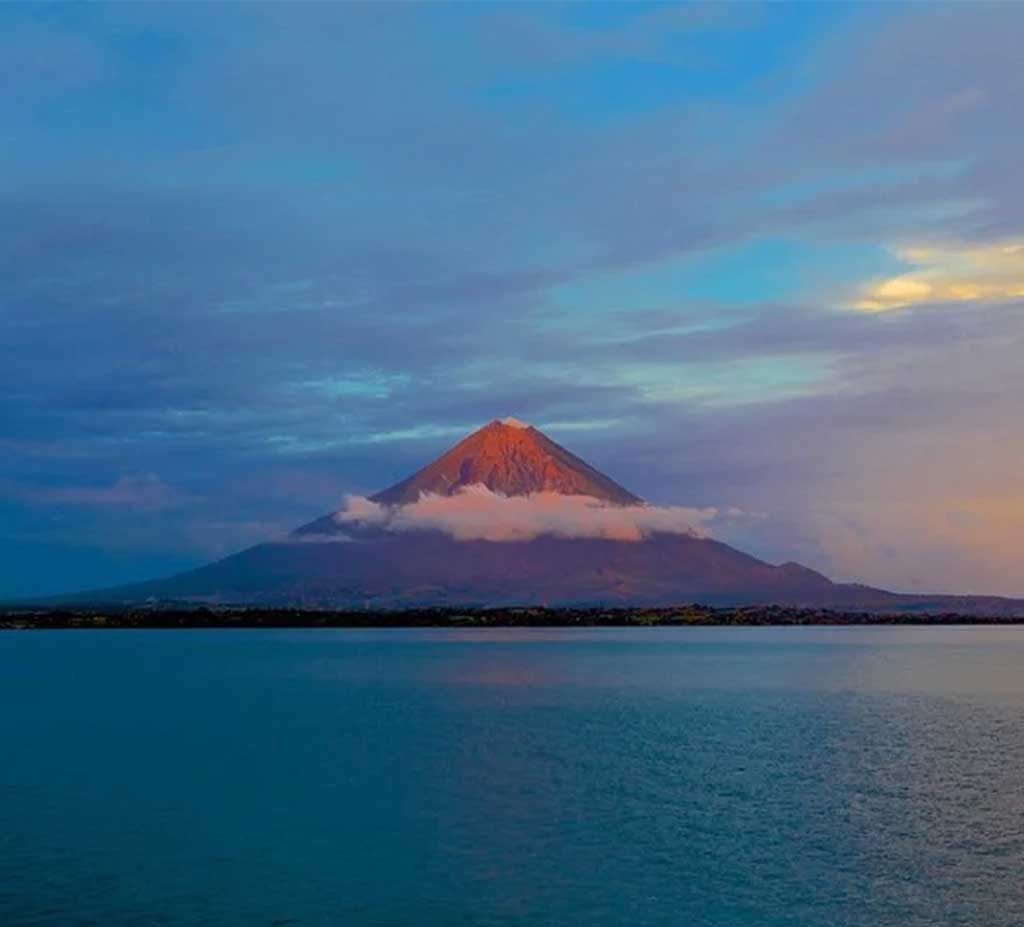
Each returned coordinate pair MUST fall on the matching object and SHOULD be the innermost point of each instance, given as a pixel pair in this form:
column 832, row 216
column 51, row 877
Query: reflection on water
column 786, row 776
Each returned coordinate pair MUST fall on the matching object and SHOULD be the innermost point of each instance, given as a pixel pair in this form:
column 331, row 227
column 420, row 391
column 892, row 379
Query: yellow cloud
column 950, row 274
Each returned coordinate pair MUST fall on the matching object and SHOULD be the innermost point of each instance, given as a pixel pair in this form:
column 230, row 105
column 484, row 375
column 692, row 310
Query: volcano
column 587, row 541
column 507, row 457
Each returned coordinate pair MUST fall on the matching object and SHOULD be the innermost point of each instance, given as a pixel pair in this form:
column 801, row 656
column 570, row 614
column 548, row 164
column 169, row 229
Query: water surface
column 728, row 777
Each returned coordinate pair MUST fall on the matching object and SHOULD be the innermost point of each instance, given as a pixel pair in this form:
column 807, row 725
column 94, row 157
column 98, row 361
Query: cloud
column 145, row 492
column 951, row 274
column 478, row 514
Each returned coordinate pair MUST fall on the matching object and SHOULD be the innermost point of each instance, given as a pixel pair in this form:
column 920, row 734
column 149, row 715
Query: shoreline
column 110, row 618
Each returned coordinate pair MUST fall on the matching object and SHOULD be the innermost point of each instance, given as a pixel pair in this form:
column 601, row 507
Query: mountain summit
column 512, row 458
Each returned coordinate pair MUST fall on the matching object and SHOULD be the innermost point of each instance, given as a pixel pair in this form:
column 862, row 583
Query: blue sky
column 761, row 257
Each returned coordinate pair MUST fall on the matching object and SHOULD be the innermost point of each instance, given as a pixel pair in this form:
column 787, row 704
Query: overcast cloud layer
column 766, row 257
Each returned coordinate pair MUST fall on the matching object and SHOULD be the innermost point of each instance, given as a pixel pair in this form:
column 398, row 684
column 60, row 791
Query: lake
column 806, row 777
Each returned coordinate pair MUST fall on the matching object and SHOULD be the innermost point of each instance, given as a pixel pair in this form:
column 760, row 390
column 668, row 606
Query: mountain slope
column 431, row 568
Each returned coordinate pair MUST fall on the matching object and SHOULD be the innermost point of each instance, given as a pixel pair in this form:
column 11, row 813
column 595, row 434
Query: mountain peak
column 509, row 457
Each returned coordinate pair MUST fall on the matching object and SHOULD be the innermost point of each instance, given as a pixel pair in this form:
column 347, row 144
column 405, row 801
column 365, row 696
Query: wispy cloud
column 144, row 492
column 951, row 274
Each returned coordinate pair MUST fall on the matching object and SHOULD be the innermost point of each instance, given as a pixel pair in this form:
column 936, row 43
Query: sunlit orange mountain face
column 512, row 458
column 508, row 517
column 506, row 457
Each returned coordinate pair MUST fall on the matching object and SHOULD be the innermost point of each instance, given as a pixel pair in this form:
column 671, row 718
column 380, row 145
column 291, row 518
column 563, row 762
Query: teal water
column 722, row 777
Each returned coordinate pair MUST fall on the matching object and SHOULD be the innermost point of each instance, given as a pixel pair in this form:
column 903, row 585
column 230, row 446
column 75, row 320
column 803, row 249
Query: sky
column 766, row 259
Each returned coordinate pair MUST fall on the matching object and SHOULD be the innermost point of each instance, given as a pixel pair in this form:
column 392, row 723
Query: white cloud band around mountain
column 477, row 513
